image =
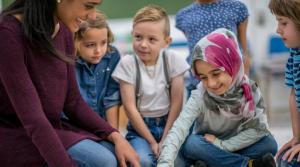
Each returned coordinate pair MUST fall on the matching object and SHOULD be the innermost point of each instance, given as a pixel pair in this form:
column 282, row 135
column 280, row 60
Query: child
column 230, row 128
column 288, row 16
column 204, row 16
column 96, row 61
column 153, row 112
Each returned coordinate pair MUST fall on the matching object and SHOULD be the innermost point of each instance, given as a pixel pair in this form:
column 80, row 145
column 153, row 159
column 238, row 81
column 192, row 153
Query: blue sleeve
column 179, row 18
column 243, row 12
column 289, row 79
column 112, row 95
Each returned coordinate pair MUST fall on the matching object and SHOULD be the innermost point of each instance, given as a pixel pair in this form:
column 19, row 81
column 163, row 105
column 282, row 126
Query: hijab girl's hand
column 210, row 138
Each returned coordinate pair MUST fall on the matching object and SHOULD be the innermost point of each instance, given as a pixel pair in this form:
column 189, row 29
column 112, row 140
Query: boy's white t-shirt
column 154, row 99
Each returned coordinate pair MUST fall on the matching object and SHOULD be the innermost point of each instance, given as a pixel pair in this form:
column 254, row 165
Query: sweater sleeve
column 25, row 100
column 179, row 132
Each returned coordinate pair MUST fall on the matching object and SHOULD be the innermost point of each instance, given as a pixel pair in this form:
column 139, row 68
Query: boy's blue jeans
column 141, row 145
column 197, row 148
column 282, row 163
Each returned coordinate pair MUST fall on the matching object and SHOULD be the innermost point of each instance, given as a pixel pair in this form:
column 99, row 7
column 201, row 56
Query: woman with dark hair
column 37, row 82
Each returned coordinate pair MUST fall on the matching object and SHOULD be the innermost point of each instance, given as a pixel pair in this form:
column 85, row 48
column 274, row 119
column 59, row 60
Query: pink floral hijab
column 220, row 48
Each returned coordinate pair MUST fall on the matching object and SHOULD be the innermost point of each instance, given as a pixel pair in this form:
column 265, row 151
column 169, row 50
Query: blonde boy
column 153, row 112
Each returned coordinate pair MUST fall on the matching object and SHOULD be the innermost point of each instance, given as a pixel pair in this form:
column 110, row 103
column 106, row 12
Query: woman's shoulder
column 10, row 23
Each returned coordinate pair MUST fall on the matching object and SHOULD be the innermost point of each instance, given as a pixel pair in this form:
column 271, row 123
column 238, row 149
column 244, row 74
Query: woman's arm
column 26, row 101
column 135, row 118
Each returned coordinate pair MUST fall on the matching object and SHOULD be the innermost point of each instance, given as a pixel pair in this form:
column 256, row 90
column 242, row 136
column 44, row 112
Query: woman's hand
column 124, row 152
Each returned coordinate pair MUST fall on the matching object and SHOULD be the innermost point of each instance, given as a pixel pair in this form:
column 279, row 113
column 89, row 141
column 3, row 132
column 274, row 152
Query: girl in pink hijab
column 230, row 125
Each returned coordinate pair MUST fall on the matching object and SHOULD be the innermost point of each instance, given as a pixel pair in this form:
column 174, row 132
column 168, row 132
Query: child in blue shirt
column 204, row 16
column 97, row 60
column 287, row 14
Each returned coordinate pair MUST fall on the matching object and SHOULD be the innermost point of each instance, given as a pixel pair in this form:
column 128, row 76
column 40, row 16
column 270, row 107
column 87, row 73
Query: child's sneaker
column 266, row 161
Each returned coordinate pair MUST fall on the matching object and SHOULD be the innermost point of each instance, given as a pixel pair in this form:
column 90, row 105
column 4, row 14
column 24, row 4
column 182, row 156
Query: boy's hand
column 292, row 148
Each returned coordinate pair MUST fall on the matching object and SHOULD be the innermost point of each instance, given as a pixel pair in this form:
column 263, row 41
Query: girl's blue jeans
column 197, row 148
column 141, row 146
column 281, row 163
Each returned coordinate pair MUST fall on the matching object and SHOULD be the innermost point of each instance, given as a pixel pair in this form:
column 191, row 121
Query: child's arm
column 129, row 102
column 242, row 37
column 179, row 131
column 294, row 142
column 112, row 116
column 175, row 104
column 295, row 116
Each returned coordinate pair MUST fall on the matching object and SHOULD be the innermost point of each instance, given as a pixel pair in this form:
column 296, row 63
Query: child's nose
column 278, row 30
column 144, row 43
column 211, row 83
column 97, row 49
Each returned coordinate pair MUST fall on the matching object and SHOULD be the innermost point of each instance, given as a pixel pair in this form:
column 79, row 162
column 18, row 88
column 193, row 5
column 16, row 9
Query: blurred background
column 268, row 52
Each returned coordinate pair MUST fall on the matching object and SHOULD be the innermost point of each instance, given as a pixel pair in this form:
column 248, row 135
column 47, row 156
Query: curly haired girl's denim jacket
column 96, row 85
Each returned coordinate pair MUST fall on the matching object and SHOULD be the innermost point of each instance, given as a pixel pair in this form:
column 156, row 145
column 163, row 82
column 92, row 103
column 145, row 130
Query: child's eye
column 216, row 74
column 138, row 37
column 202, row 77
column 103, row 43
column 152, row 39
column 90, row 45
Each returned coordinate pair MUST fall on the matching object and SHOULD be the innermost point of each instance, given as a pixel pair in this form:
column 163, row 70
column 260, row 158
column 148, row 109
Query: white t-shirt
column 154, row 99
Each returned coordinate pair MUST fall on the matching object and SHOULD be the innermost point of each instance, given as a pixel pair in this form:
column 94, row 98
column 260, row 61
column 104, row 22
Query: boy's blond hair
column 153, row 13
column 99, row 23
column 287, row 8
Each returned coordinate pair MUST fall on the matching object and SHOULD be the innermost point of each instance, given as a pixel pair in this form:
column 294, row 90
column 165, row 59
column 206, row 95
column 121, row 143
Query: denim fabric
column 197, row 148
column 96, row 85
column 141, row 145
column 88, row 153
column 282, row 163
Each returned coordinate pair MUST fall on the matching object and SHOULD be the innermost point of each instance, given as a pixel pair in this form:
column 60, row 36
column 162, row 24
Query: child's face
column 213, row 79
column 93, row 45
column 287, row 29
column 148, row 40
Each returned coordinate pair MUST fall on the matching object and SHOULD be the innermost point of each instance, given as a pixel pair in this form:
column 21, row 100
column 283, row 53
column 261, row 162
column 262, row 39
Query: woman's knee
column 88, row 153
